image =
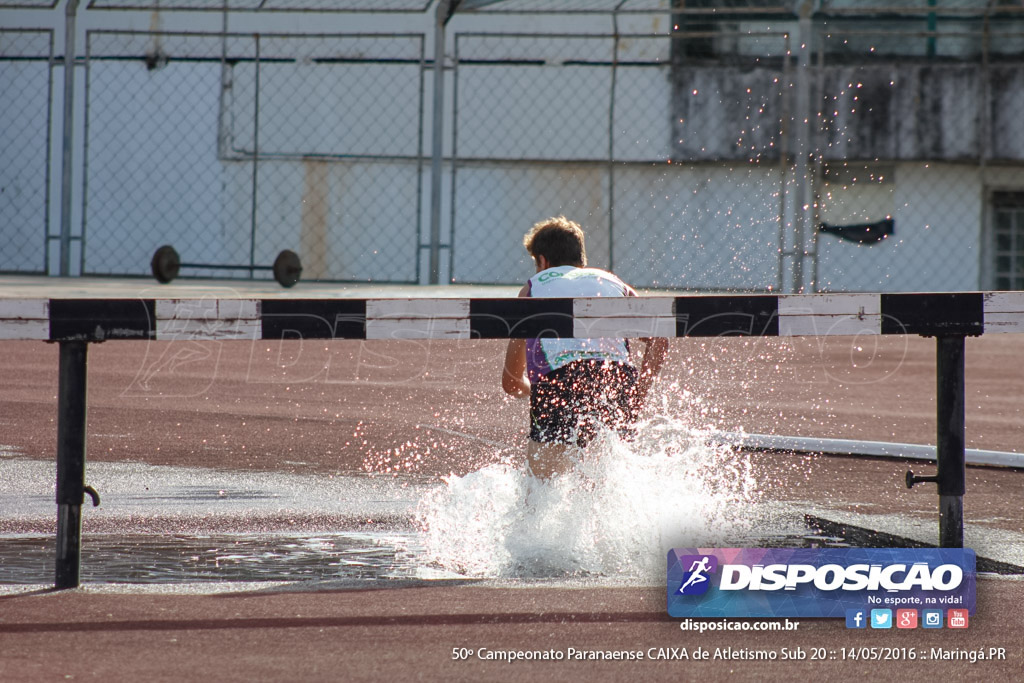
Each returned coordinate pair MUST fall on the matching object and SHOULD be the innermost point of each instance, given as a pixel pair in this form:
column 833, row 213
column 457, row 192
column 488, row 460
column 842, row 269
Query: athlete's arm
column 655, row 350
column 513, row 375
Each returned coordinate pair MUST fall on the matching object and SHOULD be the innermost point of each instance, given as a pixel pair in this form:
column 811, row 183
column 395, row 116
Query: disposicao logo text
column 816, row 582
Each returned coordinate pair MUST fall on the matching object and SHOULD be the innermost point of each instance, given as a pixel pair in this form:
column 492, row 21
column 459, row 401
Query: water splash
column 614, row 515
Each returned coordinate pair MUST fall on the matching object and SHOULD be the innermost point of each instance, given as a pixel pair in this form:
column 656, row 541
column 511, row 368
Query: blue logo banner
column 817, row 582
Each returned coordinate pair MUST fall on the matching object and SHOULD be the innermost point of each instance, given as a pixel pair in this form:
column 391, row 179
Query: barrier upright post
column 71, row 409
column 950, row 451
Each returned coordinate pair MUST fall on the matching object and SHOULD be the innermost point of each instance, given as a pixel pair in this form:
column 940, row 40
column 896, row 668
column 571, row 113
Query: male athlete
column 574, row 385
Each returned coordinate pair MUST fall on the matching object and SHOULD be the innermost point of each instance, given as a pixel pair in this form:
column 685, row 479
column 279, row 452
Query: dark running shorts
column 569, row 404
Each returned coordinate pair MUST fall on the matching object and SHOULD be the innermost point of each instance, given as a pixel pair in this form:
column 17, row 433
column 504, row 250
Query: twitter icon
column 881, row 618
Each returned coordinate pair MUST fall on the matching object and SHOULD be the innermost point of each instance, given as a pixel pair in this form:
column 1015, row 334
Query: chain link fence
column 529, row 141
column 612, row 138
column 696, row 185
column 700, row 176
column 739, row 149
column 26, row 81
column 915, row 128
column 234, row 147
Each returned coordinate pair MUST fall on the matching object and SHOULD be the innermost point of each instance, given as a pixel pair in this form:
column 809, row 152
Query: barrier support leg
column 71, row 408
column 950, row 440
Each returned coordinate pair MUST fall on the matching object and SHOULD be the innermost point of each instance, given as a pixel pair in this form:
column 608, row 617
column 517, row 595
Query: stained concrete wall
column 881, row 112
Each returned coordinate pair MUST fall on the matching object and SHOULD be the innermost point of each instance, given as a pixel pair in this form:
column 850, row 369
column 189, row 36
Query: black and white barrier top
column 960, row 313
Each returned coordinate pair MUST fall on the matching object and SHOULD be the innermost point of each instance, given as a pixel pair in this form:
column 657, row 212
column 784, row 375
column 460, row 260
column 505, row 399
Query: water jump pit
column 606, row 523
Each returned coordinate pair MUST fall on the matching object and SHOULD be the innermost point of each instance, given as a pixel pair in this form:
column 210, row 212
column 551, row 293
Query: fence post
column 444, row 12
column 950, row 450
column 254, row 205
column 70, row 12
column 801, row 211
column 71, row 409
column 611, row 143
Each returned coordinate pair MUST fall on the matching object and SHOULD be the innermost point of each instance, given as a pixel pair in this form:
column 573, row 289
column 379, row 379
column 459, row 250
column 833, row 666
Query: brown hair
column 559, row 240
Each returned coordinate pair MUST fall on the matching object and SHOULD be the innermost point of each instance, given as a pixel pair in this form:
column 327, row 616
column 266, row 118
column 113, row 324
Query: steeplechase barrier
column 75, row 323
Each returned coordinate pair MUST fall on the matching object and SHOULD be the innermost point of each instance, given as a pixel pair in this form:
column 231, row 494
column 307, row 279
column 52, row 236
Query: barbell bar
column 166, row 263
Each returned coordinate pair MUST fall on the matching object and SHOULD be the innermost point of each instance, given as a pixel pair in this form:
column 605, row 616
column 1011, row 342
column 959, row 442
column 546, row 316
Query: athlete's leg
column 552, row 424
column 544, row 460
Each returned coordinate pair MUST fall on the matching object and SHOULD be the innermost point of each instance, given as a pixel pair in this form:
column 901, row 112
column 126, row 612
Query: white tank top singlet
column 545, row 355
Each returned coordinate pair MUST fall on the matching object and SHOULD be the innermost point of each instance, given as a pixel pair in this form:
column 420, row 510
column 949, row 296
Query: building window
column 1008, row 231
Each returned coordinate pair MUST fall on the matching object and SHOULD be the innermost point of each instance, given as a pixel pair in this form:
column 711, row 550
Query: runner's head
column 559, row 240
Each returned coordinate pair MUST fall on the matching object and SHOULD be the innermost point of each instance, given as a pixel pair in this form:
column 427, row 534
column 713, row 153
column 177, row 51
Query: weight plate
column 287, row 268
column 165, row 264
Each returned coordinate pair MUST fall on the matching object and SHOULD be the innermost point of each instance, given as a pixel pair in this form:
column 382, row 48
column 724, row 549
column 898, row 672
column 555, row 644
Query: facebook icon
column 856, row 618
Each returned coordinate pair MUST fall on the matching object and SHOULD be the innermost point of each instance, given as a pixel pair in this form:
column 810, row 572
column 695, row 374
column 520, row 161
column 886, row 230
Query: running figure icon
column 698, row 571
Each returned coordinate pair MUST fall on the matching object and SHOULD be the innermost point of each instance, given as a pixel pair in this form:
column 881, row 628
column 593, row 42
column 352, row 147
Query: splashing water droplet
column 614, row 515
